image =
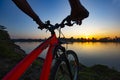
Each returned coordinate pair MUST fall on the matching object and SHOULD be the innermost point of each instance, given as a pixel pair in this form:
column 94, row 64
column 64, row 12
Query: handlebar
column 51, row 27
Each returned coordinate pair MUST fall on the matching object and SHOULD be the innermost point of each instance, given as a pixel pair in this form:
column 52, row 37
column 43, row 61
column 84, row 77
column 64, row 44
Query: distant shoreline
column 71, row 40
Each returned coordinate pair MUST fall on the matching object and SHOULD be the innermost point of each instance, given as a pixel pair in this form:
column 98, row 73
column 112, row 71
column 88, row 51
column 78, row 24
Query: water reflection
column 89, row 53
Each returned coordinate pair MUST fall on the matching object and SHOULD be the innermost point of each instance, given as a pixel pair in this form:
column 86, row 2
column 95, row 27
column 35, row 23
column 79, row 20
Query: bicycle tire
column 59, row 70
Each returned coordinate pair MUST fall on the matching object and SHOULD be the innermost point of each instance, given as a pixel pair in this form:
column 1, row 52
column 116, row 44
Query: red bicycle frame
column 21, row 67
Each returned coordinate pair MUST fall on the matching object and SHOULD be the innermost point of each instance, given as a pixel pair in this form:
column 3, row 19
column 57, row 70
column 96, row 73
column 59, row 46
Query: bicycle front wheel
column 73, row 63
column 60, row 69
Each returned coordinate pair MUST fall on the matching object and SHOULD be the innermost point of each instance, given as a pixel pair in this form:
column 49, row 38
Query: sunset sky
column 103, row 21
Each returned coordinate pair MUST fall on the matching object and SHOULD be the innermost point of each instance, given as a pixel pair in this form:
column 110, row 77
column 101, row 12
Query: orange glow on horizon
column 95, row 36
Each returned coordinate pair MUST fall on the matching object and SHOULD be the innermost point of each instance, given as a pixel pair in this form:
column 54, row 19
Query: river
column 89, row 53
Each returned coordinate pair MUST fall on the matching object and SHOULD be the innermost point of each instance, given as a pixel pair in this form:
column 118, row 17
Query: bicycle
column 66, row 64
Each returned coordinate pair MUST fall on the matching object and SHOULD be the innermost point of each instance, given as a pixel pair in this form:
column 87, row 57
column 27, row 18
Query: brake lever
column 40, row 28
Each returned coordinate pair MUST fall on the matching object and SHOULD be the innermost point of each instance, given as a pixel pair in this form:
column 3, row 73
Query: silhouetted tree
column 2, row 27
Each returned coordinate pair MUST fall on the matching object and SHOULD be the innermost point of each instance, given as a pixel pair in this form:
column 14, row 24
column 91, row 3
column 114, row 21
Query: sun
column 86, row 37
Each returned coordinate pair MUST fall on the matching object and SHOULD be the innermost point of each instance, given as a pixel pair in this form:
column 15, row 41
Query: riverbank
column 11, row 54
